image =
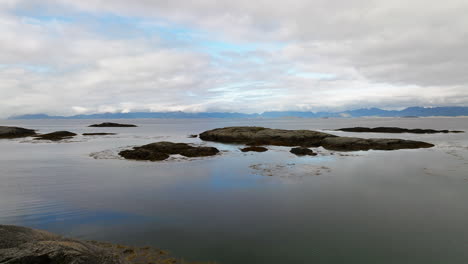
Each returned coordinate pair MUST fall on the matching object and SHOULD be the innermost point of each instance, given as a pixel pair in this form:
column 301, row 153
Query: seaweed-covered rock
column 305, row 138
column 162, row 150
column 55, row 136
column 303, row 152
column 254, row 148
column 15, row 132
column 396, row 130
column 109, row 124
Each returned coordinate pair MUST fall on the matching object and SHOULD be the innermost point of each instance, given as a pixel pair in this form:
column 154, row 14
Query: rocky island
column 109, row 124
column 55, row 136
column 162, row 150
column 305, row 138
column 98, row 134
column 15, row 132
column 395, row 130
column 21, row 245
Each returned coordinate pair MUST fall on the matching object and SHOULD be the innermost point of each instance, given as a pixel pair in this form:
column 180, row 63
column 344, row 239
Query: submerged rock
column 193, row 136
column 305, row 138
column 162, row 150
column 98, row 134
column 395, row 130
column 55, row 136
column 24, row 245
column 254, row 148
column 15, row 132
column 303, row 152
column 108, row 124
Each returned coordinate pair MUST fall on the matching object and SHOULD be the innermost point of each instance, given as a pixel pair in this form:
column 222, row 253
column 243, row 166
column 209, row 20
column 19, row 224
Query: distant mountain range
column 363, row 112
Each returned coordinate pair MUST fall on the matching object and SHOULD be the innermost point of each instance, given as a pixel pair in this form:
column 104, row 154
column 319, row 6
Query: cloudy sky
column 72, row 57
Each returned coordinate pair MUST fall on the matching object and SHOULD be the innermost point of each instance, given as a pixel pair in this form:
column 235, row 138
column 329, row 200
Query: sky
column 70, row 57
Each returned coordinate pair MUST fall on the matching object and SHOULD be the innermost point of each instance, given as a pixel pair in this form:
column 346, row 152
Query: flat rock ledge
column 396, row 130
column 108, row 124
column 162, row 150
column 305, row 138
column 15, row 132
column 55, row 136
column 21, row 245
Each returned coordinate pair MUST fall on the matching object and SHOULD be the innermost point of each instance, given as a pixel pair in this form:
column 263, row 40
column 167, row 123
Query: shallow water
column 405, row 206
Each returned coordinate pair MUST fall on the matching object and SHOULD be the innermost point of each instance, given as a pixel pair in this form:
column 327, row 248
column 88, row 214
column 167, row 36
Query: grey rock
column 21, row 245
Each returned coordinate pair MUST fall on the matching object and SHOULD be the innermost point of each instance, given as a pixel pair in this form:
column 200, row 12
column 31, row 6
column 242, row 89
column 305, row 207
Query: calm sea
column 376, row 207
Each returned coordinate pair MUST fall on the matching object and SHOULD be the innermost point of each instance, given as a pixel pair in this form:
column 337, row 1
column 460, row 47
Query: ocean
column 385, row 207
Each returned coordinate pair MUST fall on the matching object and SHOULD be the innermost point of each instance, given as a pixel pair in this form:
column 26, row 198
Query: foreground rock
column 15, row 132
column 162, row 150
column 254, row 149
column 98, row 134
column 56, row 136
column 305, row 138
column 24, row 245
column 303, row 152
column 108, row 124
column 21, row 245
column 395, row 130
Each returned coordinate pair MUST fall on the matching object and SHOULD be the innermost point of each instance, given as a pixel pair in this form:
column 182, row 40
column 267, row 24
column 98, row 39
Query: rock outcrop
column 55, row 136
column 305, row 138
column 265, row 136
column 108, row 124
column 396, row 130
column 15, row 132
column 98, row 134
column 254, row 149
column 303, row 152
column 20, row 245
column 162, row 150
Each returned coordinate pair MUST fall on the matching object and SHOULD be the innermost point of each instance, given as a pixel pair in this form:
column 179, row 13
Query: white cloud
column 308, row 55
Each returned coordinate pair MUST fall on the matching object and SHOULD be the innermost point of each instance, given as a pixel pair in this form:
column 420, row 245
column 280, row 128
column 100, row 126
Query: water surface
column 405, row 206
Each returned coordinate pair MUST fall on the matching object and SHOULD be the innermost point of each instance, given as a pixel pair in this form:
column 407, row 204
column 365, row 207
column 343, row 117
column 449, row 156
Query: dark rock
column 303, row 152
column 162, row 150
column 265, row 136
column 305, row 138
column 193, row 136
column 55, row 136
column 352, row 143
column 15, row 132
column 98, row 134
column 108, row 124
column 395, row 130
column 254, row 148
column 20, row 245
